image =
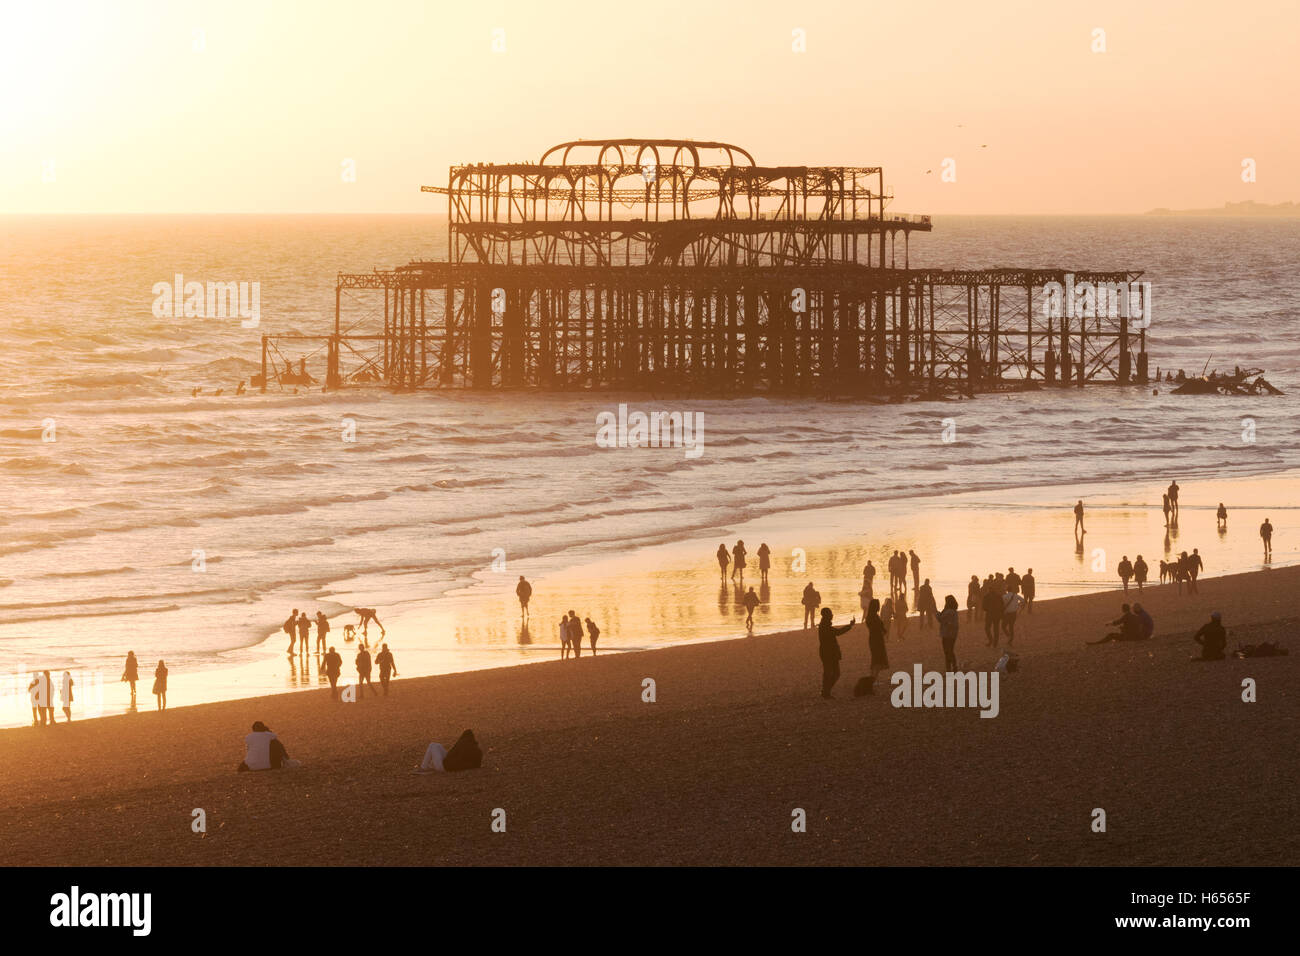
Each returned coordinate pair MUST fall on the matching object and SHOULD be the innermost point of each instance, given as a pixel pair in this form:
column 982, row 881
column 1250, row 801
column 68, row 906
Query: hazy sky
column 254, row 107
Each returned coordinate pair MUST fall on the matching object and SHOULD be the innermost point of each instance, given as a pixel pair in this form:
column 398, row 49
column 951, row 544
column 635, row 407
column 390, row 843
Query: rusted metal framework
column 674, row 265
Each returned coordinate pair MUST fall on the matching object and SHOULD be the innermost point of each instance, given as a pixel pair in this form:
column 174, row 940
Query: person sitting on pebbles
column 263, row 751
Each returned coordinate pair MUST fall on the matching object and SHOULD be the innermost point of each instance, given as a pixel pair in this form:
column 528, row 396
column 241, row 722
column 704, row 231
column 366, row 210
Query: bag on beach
column 464, row 754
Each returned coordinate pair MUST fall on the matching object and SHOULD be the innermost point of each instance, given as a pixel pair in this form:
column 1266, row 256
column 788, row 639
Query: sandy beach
column 588, row 773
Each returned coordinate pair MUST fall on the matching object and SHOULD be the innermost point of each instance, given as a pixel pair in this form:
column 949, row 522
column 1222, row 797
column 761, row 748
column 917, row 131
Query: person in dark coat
column 387, row 667
column 829, row 650
column 333, row 667
column 1212, row 638
column 131, row 673
column 876, row 638
column 949, row 618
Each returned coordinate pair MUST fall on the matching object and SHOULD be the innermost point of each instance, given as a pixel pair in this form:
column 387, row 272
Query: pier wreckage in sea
column 685, row 267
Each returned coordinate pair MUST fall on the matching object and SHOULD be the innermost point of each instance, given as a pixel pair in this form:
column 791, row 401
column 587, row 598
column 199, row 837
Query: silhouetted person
column 973, row 597
column 764, row 561
column 1013, row 581
column 992, row 603
column 811, row 600
column 1212, row 638
column 387, row 667
column 916, row 569
column 1266, row 533
column 1164, row 506
column 750, row 601
column 160, row 685
column 333, row 667
column 738, row 561
column 949, row 618
column 1027, row 587
column 869, row 580
column 131, row 673
column 1011, row 603
column 1222, row 517
column 363, row 672
column 876, row 630
column 322, row 628
column 365, row 615
column 925, row 605
column 566, row 637
column 1078, row 518
column 887, row 615
column 304, row 632
column 1139, row 572
column 524, row 591
column 1130, row 627
column 593, row 633
column 1125, row 571
column 65, row 696
column 39, row 691
column 1145, row 622
column 900, row 612
column 724, row 559
column 575, row 634
column 291, row 628
column 1194, row 567
column 1173, row 499
column 828, row 648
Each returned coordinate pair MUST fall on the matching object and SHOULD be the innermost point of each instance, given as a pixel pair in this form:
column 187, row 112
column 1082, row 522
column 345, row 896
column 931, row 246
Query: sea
column 136, row 513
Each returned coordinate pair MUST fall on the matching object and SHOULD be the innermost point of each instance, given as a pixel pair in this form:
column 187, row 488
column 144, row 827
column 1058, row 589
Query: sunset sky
column 159, row 107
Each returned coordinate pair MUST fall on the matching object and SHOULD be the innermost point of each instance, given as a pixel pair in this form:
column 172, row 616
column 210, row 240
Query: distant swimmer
column 524, row 591
column 764, row 561
column 1222, row 517
column 738, row 561
column 724, row 559
column 1078, row 518
column 1212, row 638
column 1266, row 532
column 366, row 615
column 750, row 601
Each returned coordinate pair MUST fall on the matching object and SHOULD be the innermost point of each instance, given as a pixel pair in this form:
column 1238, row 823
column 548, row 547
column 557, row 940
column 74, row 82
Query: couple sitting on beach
column 263, row 751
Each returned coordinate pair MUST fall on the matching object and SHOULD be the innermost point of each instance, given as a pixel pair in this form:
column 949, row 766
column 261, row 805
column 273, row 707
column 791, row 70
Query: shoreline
column 476, row 627
column 590, row 773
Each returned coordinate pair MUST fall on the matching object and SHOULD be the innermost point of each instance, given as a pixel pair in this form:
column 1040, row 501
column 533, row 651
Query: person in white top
column 263, row 751
column 1011, row 603
column 65, row 695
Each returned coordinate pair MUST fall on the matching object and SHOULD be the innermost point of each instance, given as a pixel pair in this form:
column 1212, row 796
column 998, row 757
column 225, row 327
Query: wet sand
column 710, row 773
column 650, row 594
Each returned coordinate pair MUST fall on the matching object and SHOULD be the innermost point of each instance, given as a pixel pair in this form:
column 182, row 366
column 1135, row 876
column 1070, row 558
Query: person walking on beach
column 865, row 597
column 565, row 637
column 764, row 562
column 724, row 559
column 575, row 634
column 593, row 633
column 992, row 616
column 1125, row 571
column 523, row 590
column 291, row 628
column 876, row 629
column 750, row 601
column 333, row 667
column 387, row 667
column 160, row 684
column 1164, row 506
column 972, row 597
column 1221, row 519
column 363, row 672
column 738, row 561
column 1027, row 586
column 869, row 577
column 887, row 615
column 365, row 615
column 900, row 612
column 1013, row 581
column 1212, row 638
column 949, row 618
column 916, row 570
column 925, row 605
column 1173, row 500
column 1078, row 518
column 1139, row 572
column 1266, row 532
column 131, row 673
column 1194, row 568
column 39, row 692
column 828, row 648
column 304, row 632
column 65, row 696
column 1010, row 606
column 322, row 628
column 811, row 600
